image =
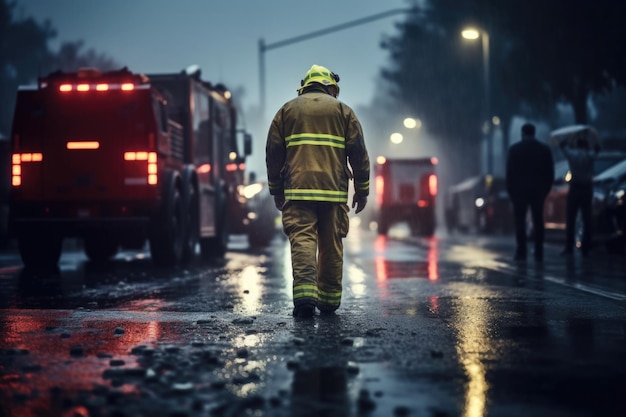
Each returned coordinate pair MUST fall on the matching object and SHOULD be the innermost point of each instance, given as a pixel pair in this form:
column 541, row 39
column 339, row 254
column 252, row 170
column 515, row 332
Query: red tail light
column 380, row 189
column 432, row 185
column 428, row 190
column 17, row 160
column 152, row 170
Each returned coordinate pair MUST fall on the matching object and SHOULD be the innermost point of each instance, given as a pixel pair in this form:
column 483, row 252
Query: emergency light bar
column 64, row 88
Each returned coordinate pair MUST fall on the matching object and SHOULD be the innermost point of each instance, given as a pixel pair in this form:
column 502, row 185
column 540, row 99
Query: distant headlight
column 251, row 190
column 479, row 202
column 616, row 198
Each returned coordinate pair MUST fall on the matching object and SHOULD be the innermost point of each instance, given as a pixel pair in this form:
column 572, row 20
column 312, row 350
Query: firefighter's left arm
column 358, row 158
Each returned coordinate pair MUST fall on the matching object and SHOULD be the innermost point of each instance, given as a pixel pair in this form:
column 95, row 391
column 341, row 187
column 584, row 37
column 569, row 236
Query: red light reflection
column 43, row 362
column 432, row 259
column 388, row 269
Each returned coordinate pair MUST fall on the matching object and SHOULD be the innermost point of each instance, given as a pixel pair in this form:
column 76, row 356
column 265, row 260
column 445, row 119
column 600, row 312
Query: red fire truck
column 406, row 191
column 119, row 158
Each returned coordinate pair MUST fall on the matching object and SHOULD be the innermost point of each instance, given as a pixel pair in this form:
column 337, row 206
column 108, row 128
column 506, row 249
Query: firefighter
column 312, row 143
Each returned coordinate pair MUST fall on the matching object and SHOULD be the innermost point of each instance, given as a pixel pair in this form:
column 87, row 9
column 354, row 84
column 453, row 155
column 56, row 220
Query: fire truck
column 406, row 191
column 119, row 159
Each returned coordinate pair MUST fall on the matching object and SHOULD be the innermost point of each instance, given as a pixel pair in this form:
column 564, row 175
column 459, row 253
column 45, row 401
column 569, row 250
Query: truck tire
column 167, row 236
column 260, row 237
column 215, row 247
column 383, row 225
column 428, row 228
column 425, row 223
column 100, row 248
column 40, row 252
column 191, row 220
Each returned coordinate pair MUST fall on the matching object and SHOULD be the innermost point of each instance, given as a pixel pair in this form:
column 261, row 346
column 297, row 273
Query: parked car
column 262, row 222
column 606, row 204
column 555, row 208
column 480, row 204
column 615, row 211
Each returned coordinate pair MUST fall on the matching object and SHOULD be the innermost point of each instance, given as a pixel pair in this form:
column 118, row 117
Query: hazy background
column 553, row 63
column 222, row 37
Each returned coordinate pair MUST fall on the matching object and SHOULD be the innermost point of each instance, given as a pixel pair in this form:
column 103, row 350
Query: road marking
column 587, row 288
column 575, row 285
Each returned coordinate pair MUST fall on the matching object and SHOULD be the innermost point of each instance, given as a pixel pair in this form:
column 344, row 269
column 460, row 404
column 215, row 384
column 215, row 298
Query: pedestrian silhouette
column 529, row 177
column 580, row 154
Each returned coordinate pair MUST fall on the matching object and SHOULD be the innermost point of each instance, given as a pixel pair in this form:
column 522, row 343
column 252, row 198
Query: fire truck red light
column 102, row 87
column 204, row 169
column 82, row 87
column 82, row 145
column 128, row 87
column 432, row 185
column 65, row 87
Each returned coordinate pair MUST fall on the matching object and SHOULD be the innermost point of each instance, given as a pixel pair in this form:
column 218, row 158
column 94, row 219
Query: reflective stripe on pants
column 315, row 231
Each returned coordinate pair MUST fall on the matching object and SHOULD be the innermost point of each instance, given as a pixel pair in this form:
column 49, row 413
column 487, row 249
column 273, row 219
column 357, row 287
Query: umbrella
column 574, row 132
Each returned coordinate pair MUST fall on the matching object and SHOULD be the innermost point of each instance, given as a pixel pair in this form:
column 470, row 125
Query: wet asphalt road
column 448, row 326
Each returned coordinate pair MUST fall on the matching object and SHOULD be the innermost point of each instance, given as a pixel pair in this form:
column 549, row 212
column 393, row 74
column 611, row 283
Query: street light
column 473, row 34
column 396, row 138
column 410, row 123
column 264, row 47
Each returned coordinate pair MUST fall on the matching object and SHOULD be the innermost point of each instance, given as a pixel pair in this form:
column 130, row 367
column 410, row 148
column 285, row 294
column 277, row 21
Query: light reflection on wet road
column 441, row 326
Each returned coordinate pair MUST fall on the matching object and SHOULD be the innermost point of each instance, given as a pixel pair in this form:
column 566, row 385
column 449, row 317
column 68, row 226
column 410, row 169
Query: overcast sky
column 222, row 37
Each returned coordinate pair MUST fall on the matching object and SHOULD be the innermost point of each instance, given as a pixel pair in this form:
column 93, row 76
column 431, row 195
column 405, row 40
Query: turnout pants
column 315, row 231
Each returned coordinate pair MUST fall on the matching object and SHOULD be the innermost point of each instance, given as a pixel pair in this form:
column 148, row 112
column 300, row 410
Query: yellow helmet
column 320, row 75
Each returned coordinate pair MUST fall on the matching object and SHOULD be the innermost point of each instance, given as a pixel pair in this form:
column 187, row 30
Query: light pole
column 472, row 34
column 264, row 47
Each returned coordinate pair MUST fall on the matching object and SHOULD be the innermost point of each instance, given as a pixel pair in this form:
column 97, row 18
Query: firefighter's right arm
column 275, row 153
column 359, row 201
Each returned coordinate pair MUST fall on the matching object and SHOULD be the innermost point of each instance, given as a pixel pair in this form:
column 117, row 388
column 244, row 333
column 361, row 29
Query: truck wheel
column 427, row 229
column 166, row 242
column 425, row 223
column 260, row 237
column 383, row 227
column 100, row 248
column 40, row 252
column 212, row 247
column 192, row 223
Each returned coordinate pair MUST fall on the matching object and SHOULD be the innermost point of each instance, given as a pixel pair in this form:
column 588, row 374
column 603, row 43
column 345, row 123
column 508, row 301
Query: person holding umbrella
column 580, row 147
